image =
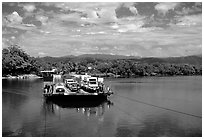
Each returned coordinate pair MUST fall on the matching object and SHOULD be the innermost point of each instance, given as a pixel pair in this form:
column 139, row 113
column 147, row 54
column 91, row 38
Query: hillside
column 106, row 56
column 194, row 60
column 17, row 62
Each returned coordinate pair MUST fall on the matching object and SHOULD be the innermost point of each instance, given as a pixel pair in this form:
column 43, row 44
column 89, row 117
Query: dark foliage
column 15, row 61
column 127, row 67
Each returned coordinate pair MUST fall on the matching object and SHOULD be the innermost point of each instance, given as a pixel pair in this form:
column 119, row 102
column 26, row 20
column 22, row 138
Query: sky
column 142, row 29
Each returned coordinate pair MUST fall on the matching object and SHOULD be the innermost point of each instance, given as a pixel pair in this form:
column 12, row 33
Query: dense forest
column 15, row 62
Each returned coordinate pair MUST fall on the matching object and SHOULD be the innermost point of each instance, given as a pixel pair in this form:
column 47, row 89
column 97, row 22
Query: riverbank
column 141, row 76
column 25, row 76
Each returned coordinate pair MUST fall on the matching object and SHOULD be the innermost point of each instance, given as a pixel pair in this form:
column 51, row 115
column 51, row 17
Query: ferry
column 87, row 89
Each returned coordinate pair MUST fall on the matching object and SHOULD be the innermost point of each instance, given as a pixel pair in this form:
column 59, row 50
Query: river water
column 153, row 106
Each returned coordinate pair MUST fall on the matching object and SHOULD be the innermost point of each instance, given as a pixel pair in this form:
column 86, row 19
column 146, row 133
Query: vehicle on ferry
column 90, row 84
column 56, row 89
column 60, row 88
column 72, row 84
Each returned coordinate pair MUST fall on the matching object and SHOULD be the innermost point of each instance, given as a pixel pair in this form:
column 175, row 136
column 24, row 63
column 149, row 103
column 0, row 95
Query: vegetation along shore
column 16, row 62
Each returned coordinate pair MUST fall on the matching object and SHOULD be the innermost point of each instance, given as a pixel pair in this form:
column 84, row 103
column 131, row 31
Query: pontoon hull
column 74, row 97
column 77, row 100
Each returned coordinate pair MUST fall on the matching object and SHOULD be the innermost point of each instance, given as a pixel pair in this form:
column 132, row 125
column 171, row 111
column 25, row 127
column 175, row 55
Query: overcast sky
column 132, row 29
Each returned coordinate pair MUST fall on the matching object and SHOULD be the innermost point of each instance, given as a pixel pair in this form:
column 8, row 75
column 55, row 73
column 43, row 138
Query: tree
column 15, row 61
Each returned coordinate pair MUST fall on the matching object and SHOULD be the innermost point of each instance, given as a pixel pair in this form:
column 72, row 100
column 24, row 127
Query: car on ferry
column 72, row 84
column 60, row 88
column 90, row 84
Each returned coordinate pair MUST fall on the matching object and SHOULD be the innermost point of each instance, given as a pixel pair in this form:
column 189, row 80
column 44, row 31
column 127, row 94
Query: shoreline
column 24, row 77
column 27, row 77
column 148, row 76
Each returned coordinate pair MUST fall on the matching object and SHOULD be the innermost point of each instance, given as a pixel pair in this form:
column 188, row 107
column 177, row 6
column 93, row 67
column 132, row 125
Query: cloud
column 130, row 27
column 29, row 25
column 107, row 15
column 90, row 40
column 131, row 24
column 164, row 7
column 91, row 13
column 189, row 9
column 24, row 27
column 93, row 17
column 14, row 18
column 133, row 10
column 80, row 28
column 83, row 6
column 190, row 20
column 74, row 17
column 29, row 7
column 131, row 7
column 96, row 12
column 42, row 19
column 41, row 53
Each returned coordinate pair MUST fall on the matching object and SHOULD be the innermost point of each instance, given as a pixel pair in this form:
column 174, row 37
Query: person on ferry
column 45, row 88
column 51, row 88
column 48, row 88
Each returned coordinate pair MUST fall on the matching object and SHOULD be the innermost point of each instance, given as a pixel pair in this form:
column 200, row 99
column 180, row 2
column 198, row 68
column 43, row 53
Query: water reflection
column 13, row 100
column 95, row 111
column 77, row 114
column 147, row 121
column 95, row 108
column 168, row 126
column 157, row 126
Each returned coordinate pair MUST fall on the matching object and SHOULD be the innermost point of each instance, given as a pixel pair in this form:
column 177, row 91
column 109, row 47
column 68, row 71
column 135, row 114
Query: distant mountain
column 106, row 56
column 194, row 60
column 55, row 59
column 85, row 56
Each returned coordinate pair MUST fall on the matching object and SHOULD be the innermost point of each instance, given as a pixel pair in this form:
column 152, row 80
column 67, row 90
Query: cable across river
column 168, row 109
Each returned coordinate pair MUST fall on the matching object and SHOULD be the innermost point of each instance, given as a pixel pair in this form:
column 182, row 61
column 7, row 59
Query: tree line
column 15, row 61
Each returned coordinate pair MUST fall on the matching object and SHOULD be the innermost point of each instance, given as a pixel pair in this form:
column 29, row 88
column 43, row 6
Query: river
column 150, row 107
